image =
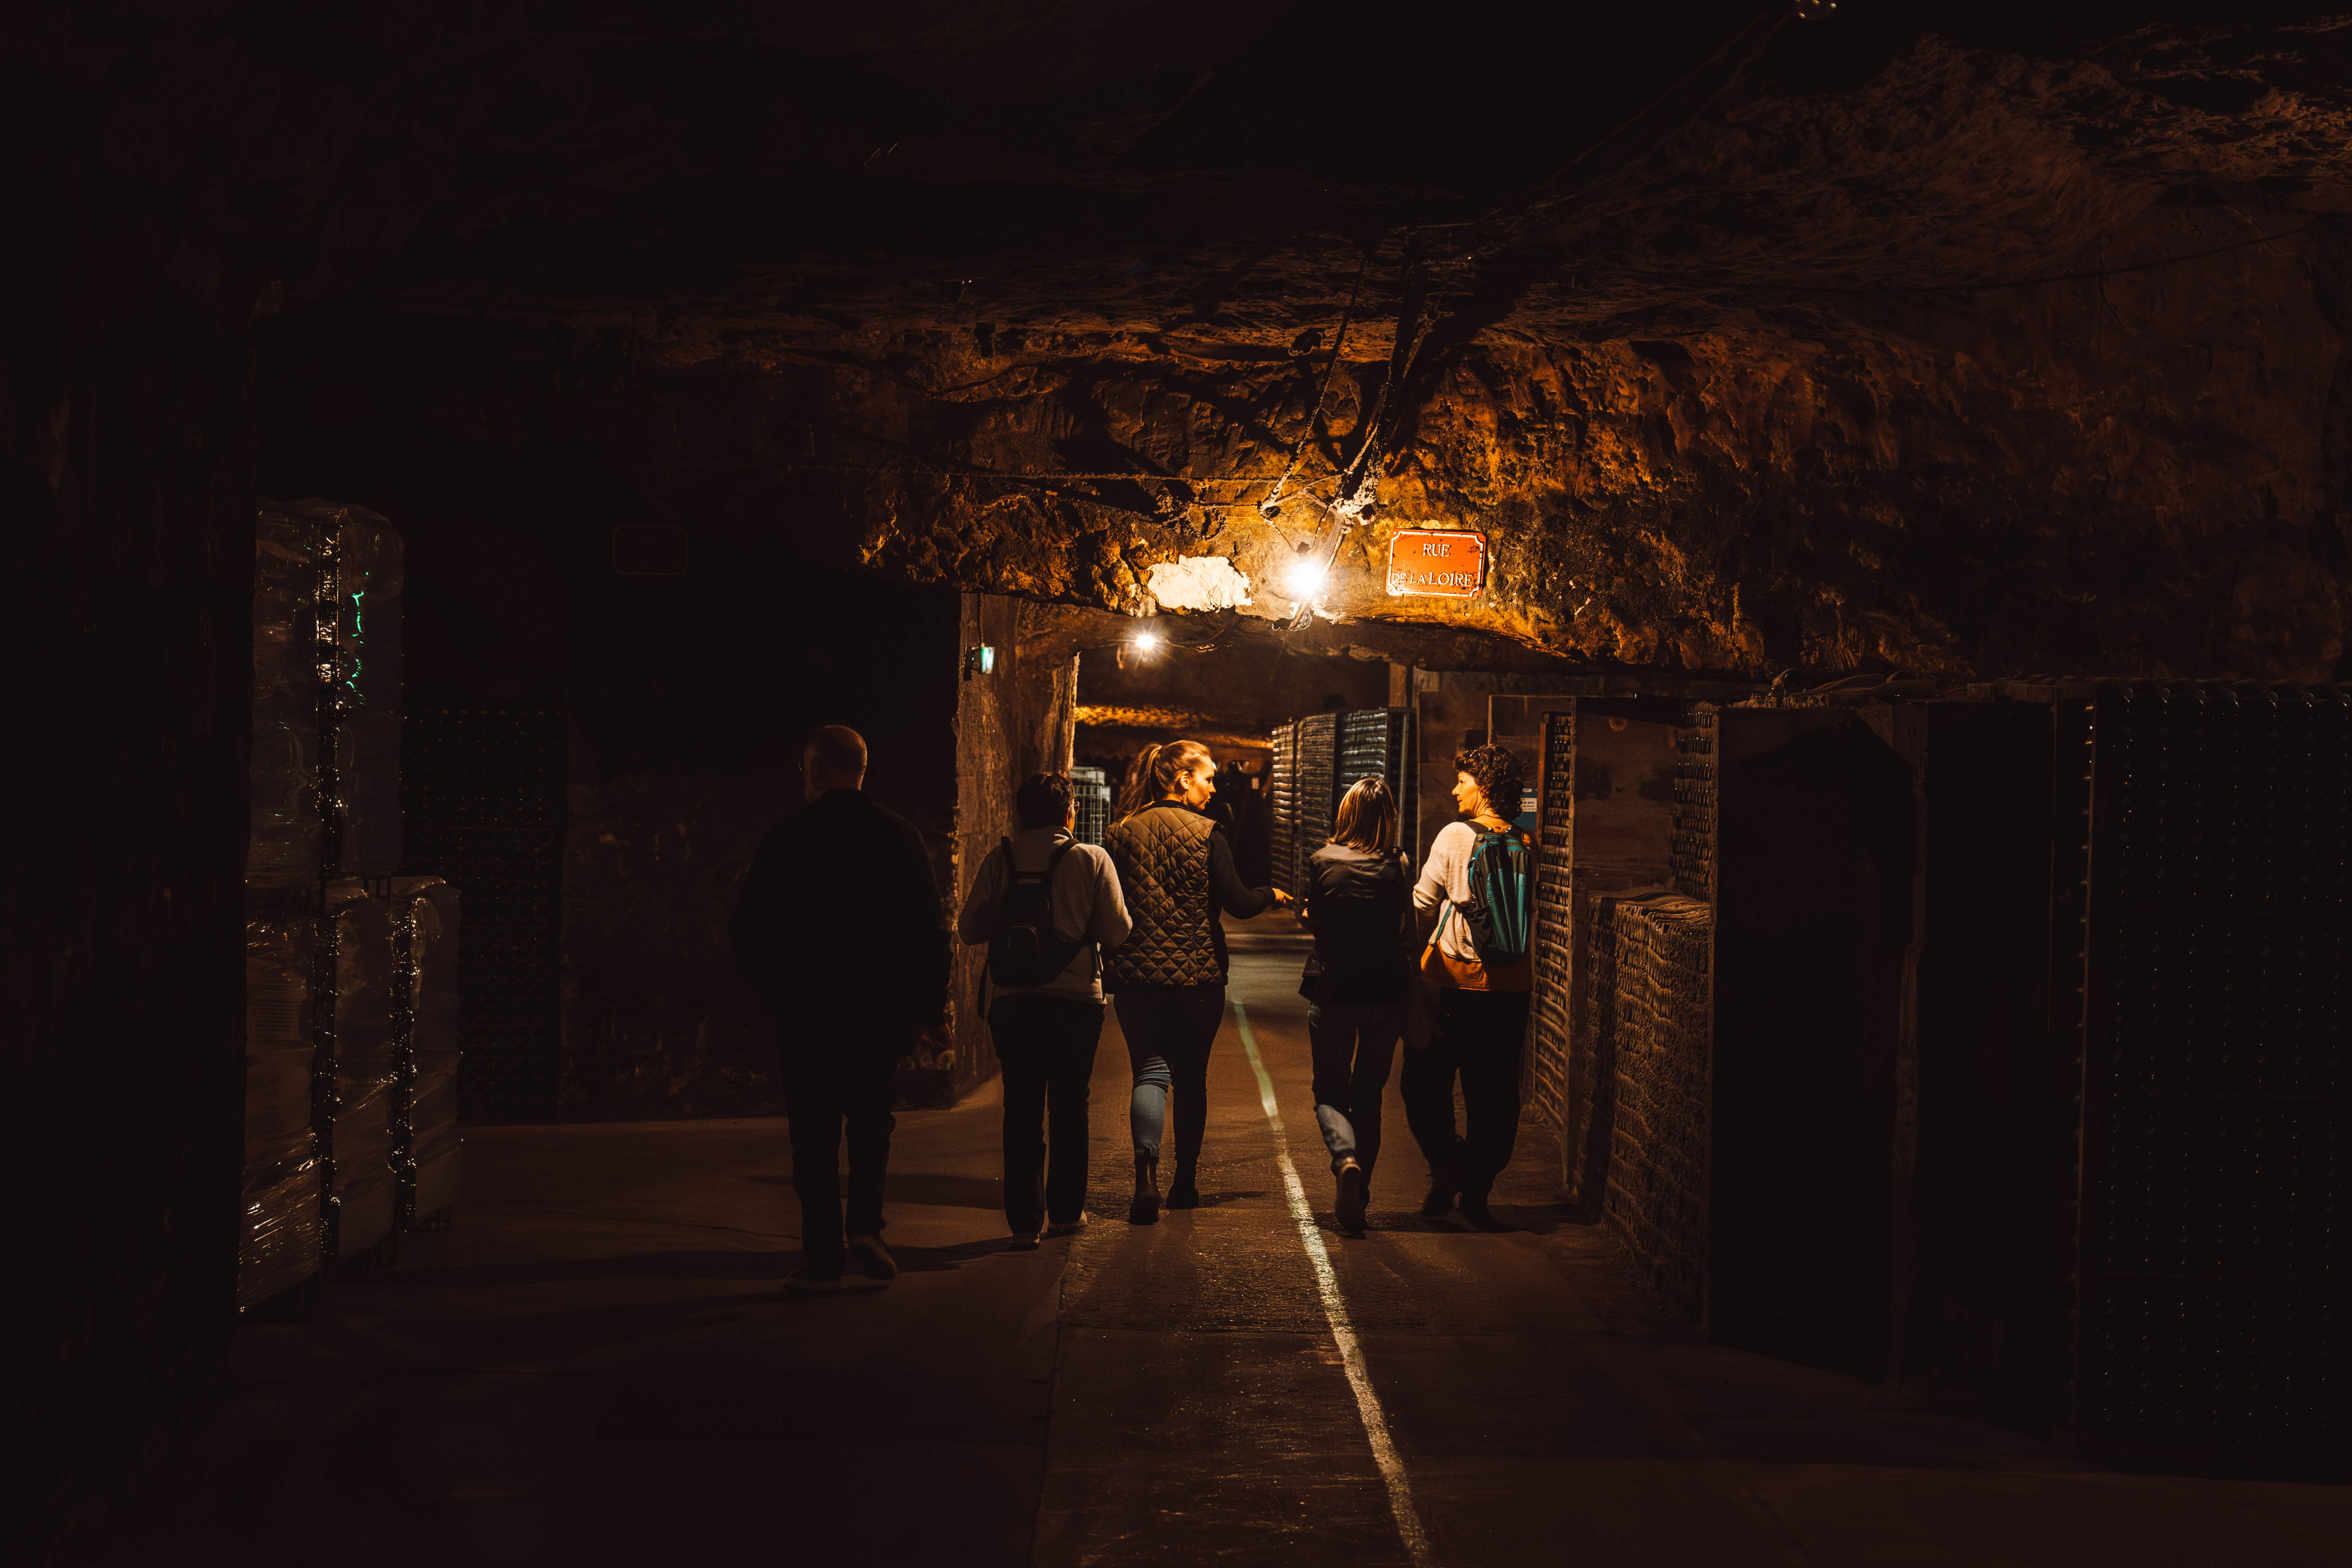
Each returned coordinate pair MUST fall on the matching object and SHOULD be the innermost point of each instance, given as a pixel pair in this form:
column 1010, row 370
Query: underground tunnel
column 623, row 610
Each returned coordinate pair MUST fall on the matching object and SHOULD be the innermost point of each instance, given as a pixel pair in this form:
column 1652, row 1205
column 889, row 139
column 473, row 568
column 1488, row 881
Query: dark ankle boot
column 1443, row 1186
column 1183, row 1192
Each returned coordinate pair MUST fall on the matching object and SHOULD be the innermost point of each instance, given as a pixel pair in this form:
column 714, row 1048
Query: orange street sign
column 1427, row 561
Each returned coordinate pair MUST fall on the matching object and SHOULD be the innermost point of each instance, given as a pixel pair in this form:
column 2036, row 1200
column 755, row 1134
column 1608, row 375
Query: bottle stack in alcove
column 351, row 971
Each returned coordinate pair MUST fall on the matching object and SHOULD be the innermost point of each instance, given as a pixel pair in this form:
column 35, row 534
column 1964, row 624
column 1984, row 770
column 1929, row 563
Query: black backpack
column 1025, row 950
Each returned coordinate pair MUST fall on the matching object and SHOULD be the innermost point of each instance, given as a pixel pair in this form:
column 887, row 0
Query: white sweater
column 1088, row 908
column 1446, row 877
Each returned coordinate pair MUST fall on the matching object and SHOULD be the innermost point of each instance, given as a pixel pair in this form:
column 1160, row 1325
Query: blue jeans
column 1353, row 1045
column 1169, row 1033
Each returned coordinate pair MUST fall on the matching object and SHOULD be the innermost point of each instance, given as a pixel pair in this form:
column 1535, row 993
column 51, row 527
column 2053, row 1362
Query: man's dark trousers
column 1484, row 1032
column 1046, row 1046
column 837, row 1075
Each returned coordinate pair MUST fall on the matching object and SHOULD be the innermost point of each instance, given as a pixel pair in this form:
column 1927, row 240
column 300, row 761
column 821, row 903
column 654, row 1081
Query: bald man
column 839, row 928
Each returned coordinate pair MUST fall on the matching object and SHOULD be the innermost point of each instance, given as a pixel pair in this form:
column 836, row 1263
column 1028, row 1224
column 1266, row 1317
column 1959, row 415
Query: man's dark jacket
column 839, row 914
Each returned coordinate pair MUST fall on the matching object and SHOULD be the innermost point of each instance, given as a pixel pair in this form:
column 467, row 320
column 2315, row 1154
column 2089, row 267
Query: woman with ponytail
column 1168, row 979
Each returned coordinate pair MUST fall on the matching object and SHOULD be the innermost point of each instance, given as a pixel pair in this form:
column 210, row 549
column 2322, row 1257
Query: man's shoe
column 1349, row 1209
column 1443, row 1186
column 813, row 1280
column 1183, row 1192
column 873, row 1258
column 1026, row 1243
column 1474, row 1210
column 1067, row 1226
column 1145, row 1208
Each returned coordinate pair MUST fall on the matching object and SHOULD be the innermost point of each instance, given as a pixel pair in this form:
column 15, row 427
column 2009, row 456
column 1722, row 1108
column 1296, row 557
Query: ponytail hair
column 1135, row 789
column 1152, row 775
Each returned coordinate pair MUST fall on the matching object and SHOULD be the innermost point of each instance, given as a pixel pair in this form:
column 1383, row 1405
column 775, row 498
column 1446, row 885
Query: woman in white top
column 1485, row 1008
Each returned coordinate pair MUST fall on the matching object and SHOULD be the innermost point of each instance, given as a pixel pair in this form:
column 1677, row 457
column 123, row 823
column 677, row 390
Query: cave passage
column 1835, row 514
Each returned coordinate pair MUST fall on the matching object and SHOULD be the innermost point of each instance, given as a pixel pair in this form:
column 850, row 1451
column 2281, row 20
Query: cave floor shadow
column 604, row 1325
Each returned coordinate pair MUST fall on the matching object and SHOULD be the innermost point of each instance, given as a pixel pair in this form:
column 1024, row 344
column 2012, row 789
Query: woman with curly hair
column 1168, row 979
column 1484, row 1003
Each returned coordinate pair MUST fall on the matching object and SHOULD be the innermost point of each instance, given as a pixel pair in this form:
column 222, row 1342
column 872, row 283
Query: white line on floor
column 1335, row 1308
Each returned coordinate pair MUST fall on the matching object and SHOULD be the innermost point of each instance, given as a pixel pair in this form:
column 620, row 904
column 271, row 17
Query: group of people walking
column 1438, row 961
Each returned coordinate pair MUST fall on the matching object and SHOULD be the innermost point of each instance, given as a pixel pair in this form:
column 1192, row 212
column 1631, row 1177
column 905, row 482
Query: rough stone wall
column 2127, row 474
column 1015, row 721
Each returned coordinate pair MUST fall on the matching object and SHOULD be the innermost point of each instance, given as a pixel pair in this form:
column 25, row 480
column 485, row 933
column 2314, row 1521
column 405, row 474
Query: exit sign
column 1427, row 561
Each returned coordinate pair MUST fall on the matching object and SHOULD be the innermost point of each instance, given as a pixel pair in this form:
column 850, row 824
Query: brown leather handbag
column 1444, row 970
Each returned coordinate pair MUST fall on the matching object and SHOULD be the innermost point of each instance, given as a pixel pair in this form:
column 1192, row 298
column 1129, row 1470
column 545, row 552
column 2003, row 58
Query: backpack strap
column 1054, row 864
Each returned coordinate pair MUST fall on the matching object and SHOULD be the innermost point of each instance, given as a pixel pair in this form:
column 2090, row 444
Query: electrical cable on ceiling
column 1273, row 502
column 1405, row 347
column 1371, row 444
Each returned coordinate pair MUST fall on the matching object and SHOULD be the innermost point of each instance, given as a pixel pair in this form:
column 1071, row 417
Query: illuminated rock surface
column 1699, row 383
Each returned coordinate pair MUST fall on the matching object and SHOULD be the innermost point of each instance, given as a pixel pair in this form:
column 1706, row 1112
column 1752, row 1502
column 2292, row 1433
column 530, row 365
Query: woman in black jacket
column 1360, row 906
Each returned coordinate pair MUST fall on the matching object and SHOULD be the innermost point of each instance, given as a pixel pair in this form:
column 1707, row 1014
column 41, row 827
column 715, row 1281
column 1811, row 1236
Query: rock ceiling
column 1752, row 338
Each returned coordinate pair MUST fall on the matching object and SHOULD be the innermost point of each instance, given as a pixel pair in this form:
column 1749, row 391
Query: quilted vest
column 1162, row 854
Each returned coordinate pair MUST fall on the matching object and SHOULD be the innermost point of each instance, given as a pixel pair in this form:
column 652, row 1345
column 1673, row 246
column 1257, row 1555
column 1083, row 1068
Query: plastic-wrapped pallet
column 326, row 716
column 368, row 567
column 427, row 1154
column 361, row 1185
column 278, row 1243
column 288, row 834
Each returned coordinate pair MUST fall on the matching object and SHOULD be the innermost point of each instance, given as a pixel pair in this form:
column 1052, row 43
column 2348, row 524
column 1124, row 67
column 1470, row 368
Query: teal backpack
column 1502, row 881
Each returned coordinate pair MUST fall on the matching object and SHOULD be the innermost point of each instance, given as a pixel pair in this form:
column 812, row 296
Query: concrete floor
column 596, row 1365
